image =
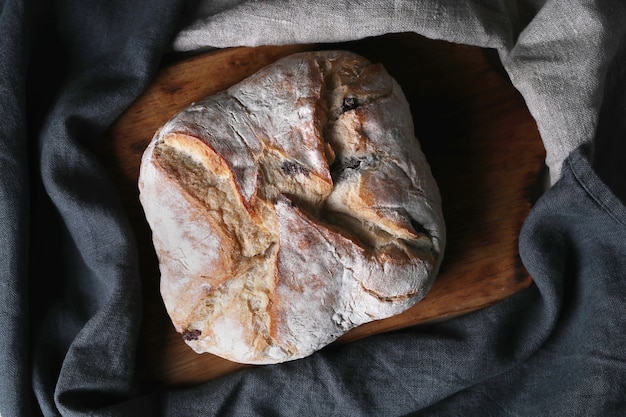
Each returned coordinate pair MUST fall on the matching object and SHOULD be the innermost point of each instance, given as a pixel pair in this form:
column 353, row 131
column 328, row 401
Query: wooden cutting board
column 483, row 146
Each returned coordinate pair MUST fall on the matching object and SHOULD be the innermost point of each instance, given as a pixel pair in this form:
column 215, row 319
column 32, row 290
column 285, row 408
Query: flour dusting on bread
column 290, row 208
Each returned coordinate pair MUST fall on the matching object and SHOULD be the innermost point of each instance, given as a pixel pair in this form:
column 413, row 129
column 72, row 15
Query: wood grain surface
column 482, row 144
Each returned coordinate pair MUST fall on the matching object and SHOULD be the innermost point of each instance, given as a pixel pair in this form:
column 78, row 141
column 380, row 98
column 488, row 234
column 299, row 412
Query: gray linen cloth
column 556, row 52
column 70, row 296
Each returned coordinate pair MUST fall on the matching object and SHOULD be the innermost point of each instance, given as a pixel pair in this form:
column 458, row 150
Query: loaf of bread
column 291, row 208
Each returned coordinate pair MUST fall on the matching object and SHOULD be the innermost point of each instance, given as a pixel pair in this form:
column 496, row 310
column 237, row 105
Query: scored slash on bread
column 291, row 208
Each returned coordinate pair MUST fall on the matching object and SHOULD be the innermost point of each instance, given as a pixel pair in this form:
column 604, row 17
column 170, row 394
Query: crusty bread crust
column 291, row 208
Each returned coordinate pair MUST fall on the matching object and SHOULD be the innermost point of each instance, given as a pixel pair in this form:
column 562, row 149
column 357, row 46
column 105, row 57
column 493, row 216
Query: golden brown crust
column 291, row 208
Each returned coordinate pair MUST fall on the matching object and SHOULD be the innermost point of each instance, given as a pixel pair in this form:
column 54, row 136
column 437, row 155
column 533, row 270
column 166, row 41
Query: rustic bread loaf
column 291, row 208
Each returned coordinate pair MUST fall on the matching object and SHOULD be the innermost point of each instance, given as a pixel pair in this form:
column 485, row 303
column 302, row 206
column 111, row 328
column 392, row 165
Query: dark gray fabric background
column 69, row 286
